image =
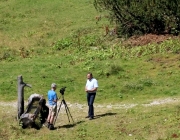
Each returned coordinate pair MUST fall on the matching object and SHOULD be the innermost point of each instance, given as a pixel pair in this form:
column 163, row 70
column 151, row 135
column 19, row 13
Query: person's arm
column 86, row 87
column 55, row 99
column 92, row 90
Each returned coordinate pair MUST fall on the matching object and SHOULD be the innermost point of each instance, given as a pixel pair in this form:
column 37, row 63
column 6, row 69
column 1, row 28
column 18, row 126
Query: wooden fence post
column 21, row 86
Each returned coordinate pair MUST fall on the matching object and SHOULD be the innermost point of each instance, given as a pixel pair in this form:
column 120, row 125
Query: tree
column 135, row 17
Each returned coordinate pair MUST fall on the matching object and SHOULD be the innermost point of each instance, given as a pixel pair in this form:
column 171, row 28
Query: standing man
column 91, row 88
column 52, row 101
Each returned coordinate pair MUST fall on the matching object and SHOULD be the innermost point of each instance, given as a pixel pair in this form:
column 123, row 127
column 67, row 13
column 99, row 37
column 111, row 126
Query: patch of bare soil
column 148, row 39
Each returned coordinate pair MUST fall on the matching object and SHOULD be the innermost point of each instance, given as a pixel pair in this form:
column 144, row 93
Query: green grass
column 40, row 23
column 59, row 41
column 142, row 123
column 135, row 77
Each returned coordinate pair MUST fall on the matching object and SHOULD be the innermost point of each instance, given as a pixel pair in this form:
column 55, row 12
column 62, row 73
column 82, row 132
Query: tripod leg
column 70, row 115
column 67, row 114
column 58, row 112
column 67, row 111
column 65, row 106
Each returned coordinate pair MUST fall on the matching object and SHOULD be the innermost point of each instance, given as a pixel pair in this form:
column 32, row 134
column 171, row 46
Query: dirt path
column 108, row 106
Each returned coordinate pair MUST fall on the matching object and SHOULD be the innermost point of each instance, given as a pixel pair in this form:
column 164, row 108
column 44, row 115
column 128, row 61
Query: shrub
column 141, row 17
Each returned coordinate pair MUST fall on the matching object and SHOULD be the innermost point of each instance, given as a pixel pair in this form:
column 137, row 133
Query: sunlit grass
column 60, row 41
column 140, row 122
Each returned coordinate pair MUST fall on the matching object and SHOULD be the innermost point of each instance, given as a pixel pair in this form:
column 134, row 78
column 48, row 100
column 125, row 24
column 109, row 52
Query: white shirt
column 90, row 84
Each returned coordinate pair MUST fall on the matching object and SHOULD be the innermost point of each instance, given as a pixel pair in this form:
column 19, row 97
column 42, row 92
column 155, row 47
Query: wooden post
column 21, row 86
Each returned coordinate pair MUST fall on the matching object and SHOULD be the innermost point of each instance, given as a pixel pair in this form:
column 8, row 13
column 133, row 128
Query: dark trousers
column 90, row 100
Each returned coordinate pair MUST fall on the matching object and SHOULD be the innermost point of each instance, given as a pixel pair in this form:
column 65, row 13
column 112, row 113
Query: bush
column 142, row 17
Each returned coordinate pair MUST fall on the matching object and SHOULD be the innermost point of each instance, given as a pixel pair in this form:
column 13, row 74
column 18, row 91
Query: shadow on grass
column 79, row 122
column 103, row 115
column 69, row 125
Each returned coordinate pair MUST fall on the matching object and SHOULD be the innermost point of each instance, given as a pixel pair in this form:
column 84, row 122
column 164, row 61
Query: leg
column 88, row 101
column 51, row 116
column 91, row 102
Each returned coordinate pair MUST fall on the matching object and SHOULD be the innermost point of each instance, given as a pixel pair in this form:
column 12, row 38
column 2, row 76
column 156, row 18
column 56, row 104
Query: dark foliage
column 135, row 17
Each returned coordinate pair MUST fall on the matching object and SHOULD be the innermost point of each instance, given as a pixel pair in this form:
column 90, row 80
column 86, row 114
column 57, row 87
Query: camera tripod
column 66, row 108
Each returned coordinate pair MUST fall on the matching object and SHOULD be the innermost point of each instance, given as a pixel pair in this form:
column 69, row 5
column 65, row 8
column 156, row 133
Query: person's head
column 89, row 76
column 53, row 86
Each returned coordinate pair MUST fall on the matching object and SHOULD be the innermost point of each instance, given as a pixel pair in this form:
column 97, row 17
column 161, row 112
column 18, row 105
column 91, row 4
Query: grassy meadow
column 60, row 41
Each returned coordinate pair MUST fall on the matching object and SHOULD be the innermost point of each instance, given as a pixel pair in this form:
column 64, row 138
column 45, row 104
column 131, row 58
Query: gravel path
column 108, row 106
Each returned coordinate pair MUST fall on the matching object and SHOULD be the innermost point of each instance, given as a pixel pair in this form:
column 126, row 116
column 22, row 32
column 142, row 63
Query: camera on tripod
column 62, row 90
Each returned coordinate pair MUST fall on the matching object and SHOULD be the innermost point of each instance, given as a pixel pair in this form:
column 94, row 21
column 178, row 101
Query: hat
column 53, row 85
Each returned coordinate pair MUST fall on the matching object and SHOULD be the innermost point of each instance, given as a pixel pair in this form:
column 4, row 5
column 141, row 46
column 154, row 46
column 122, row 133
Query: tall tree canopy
column 135, row 17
